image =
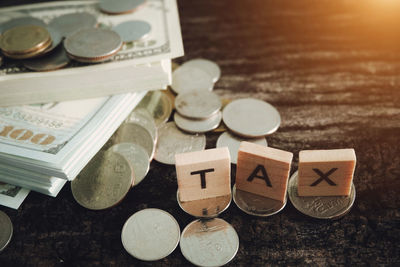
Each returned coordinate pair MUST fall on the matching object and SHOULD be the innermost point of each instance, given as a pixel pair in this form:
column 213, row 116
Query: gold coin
column 36, row 53
column 104, row 182
column 25, row 39
column 159, row 105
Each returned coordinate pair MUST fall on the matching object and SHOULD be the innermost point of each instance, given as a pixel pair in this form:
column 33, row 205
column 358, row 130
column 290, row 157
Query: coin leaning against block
column 104, row 182
column 150, row 234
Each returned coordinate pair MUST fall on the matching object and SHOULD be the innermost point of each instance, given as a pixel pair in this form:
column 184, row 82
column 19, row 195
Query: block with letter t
column 203, row 174
column 326, row 172
column 263, row 170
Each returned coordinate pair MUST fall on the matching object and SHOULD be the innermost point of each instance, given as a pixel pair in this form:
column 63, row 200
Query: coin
column 150, row 234
column 104, row 182
column 249, row 117
column 198, row 126
column 172, row 141
column 206, row 65
column 53, row 61
column 6, row 230
column 136, row 156
column 135, row 133
column 330, row 207
column 190, row 79
column 133, row 30
column 55, row 38
column 197, row 104
column 20, row 41
column 205, row 208
column 255, row 204
column 71, row 23
column 93, row 45
column 233, row 143
column 21, row 21
column 121, row 6
column 158, row 104
column 142, row 117
column 209, row 242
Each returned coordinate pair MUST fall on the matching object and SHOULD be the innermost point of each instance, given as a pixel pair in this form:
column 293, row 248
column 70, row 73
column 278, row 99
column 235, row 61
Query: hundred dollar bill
column 59, row 138
column 12, row 196
column 146, row 64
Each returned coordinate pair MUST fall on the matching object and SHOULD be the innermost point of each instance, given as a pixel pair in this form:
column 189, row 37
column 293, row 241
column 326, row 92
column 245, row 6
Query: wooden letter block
column 263, row 170
column 203, row 174
column 326, row 172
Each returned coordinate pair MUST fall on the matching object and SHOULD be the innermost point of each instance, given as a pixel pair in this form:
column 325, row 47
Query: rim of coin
column 55, row 60
column 212, row 242
column 159, row 104
column 150, row 234
column 198, row 126
column 205, row 208
column 120, row 7
column 133, row 30
column 70, row 23
column 191, row 79
column 233, row 143
column 132, row 132
column 256, row 205
column 330, row 207
column 20, row 21
column 173, row 141
column 137, row 157
column 25, row 39
column 198, row 104
column 143, row 117
column 250, row 117
column 206, row 65
column 93, row 45
column 56, row 39
column 104, row 182
column 6, row 230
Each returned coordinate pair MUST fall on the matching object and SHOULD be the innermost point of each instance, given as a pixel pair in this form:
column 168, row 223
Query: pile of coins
column 38, row 43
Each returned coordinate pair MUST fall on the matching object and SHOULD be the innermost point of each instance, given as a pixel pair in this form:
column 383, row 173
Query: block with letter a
column 203, row 174
column 326, row 172
column 263, row 170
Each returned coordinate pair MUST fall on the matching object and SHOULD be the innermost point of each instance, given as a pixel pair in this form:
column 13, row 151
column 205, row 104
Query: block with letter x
column 326, row 172
column 203, row 174
column 263, row 170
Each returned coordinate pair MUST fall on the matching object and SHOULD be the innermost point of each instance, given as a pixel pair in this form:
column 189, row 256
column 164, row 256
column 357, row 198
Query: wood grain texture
column 331, row 68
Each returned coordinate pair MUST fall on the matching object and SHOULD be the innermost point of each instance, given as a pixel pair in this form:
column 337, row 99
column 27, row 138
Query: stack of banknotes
column 52, row 123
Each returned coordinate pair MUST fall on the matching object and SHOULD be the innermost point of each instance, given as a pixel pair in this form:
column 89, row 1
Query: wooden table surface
column 331, row 68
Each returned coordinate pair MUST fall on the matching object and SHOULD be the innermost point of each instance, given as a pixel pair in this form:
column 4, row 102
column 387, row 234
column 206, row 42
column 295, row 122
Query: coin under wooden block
column 203, row 174
column 263, row 170
column 326, row 172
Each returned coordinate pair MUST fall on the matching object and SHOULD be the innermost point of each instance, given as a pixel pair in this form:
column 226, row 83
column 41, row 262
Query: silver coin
column 56, row 39
column 251, row 117
column 20, row 22
column 6, row 230
column 233, row 143
column 159, row 104
column 143, row 117
column 93, row 44
column 173, row 141
column 255, row 204
column 137, row 158
column 71, row 23
column 135, row 133
column 209, row 242
column 191, row 79
column 53, row 61
column 197, row 104
column 133, row 30
column 330, row 207
column 198, row 126
column 150, row 234
column 205, row 208
column 120, row 6
column 206, row 65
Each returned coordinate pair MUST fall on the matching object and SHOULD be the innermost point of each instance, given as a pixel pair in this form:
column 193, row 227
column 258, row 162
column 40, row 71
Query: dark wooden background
column 332, row 70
